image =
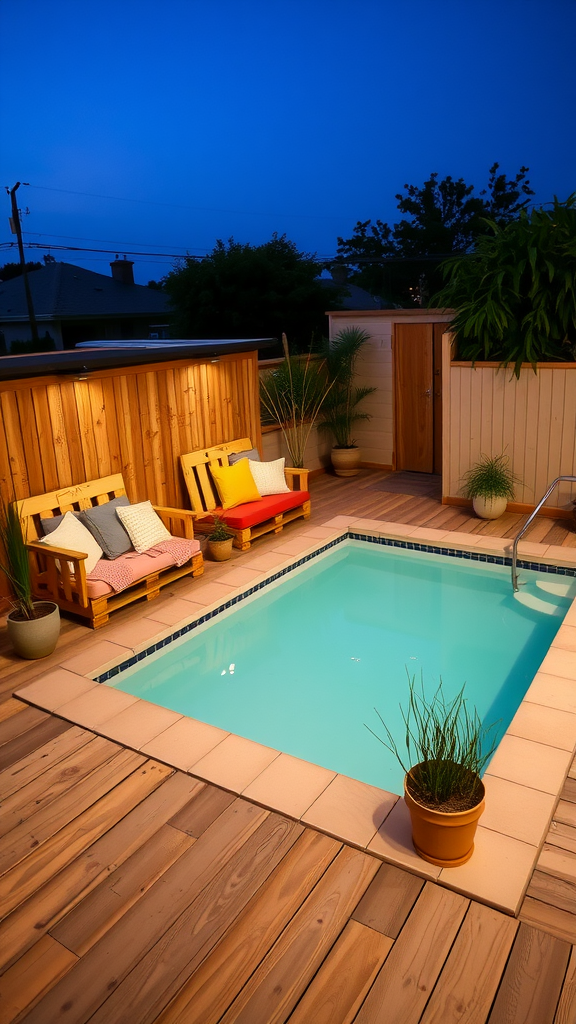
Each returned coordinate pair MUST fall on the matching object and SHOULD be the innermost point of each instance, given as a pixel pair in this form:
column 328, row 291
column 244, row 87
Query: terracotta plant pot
column 489, row 508
column 442, row 837
column 35, row 638
column 346, row 461
column 220, row 550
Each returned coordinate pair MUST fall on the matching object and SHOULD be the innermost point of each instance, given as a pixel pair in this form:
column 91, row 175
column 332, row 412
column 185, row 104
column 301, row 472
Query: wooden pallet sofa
column 252, row 519
column 60, row 575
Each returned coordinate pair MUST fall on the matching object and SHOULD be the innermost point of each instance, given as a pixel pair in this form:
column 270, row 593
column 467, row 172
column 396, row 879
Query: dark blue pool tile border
column 473, row 556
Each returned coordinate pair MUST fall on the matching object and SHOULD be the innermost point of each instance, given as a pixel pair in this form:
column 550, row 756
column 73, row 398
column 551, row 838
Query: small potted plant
column 33, row 626
column 447, row 747
column 490, row 483
column 340, row 411
column 220, row 540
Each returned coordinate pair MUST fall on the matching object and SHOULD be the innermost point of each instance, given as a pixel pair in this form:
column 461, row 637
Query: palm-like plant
column 15, row 563
column 515, row 295
column 340, row 411
column 293, row 394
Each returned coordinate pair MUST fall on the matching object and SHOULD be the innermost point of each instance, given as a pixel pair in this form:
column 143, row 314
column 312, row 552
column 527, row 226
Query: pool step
column 558, row 589
column 536, row 603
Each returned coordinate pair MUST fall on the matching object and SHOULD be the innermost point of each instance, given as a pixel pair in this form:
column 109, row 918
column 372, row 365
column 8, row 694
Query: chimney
column 122, row 270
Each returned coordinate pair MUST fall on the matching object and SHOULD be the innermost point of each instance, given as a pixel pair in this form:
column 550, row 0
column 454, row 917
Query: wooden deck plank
column 469, row 980
column 531, row 984
column 558, row 892
column 21, row 772
column 23, row 985
column 272, row 992
column 562, row 836
column 554, row 920
column 404, row 984
column 161, row 973
column 51, row 819
column 98, row 972
column 388, row 900
column 10, row 707
column 123, row 822
column 344, row 979
column 559, row 862
column 108, row 902
column 216, row 983
column 59, row 779
column 202, row 810
column 18, row 724
column 28, row 741
column 566, row 1012
column 62, row 849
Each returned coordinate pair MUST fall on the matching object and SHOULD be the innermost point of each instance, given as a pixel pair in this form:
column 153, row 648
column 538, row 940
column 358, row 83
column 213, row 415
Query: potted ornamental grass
column 490, row 483
column 292, row 395
column 33, row 626
column 220, row 541
column 340, row 411
column 447, row 748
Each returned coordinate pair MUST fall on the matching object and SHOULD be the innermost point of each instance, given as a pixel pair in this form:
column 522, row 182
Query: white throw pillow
column 269, row 476
column 72, row 534
column 143, row 525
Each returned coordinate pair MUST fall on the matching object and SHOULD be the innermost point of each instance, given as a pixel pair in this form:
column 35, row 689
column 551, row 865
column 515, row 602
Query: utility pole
column 16, row 221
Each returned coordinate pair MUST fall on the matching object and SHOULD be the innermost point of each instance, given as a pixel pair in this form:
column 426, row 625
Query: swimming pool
column 300, row 665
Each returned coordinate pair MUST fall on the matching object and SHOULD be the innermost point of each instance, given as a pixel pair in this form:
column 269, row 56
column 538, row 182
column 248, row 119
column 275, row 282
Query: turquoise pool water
column 302, row 665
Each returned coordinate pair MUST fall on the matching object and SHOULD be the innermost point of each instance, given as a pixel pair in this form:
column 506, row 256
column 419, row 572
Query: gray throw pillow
column 49, row 525
column 106, row 528
column 252, row 454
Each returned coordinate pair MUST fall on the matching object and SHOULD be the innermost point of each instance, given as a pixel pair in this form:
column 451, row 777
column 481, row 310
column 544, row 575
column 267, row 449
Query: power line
column 181, row 206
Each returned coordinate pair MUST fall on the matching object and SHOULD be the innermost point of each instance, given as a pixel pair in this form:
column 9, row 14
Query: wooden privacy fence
column 137, row 421
column 533, row 419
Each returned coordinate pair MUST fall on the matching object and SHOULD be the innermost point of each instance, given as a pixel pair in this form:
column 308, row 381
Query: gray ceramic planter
column 35, row 638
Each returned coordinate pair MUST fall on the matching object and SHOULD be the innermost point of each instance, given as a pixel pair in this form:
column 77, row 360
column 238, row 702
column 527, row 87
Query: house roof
column 64, row 291
column 351, row 296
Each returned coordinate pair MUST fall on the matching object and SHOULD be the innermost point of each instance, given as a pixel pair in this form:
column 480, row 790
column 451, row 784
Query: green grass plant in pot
column 490, row 484
column 33, row 626
column 447, row 748
column 220, row 541
column 292, row 395
column 340, row 411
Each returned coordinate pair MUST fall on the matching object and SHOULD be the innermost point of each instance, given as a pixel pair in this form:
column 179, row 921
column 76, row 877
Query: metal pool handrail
column 522, row 530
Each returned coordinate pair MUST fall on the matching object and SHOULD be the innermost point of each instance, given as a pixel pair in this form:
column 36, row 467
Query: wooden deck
column 132, row 892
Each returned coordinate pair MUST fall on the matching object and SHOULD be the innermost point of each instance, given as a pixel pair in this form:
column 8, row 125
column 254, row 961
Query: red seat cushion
column 256, row 512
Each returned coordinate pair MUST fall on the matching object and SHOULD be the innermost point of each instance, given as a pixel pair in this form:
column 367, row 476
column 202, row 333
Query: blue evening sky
column 224, row 118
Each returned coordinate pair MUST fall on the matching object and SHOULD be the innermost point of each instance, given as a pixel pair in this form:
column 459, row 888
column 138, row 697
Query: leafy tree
column 515, row 295
column 10, row 270
column 443, row 217
column 240, row 290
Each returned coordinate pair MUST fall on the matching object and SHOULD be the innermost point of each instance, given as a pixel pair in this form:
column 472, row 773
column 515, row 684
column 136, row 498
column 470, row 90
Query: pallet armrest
column 51, row 551
column 64, row 569
column 301, row 475
column 185, row 515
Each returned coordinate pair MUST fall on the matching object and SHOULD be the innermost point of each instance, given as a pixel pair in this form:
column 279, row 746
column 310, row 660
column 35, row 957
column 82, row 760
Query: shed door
column 413, row 350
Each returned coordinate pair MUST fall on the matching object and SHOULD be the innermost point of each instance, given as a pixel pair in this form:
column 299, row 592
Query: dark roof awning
column 108, row 355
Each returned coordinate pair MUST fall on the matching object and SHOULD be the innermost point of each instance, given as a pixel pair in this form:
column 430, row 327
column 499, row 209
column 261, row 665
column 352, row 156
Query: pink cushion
column 256, row 512
column 138, row 566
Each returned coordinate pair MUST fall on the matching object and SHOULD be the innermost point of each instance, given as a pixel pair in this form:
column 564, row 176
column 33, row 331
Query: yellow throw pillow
column 235, row 484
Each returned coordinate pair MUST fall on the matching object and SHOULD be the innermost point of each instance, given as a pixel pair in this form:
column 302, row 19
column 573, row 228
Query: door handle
column 428, row 393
